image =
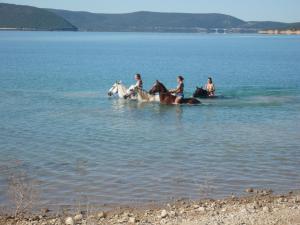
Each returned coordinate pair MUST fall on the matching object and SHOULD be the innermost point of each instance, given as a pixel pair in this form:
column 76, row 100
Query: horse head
column 158, row 88
column 114, row 89
column 200, row 92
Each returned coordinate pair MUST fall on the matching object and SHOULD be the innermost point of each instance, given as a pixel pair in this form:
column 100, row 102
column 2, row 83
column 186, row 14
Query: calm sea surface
column 58, row 126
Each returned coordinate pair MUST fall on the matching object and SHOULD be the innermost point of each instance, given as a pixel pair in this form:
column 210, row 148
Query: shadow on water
column 166, row 110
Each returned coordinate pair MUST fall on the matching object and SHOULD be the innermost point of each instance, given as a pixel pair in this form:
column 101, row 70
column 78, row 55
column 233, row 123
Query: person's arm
column 179, row 89
column 206, row 87
column 136, row 85
column 175, row 90
column 213, row 89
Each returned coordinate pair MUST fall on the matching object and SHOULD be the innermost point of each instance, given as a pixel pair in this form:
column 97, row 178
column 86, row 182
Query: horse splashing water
column 122, row 92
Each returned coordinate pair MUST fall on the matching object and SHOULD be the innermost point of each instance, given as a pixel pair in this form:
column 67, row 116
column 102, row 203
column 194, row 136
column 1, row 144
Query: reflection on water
column 81, row 167
column 127, row 106
column 121, row 104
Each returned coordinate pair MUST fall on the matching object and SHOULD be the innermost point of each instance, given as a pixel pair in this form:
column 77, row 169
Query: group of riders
column 178, row 91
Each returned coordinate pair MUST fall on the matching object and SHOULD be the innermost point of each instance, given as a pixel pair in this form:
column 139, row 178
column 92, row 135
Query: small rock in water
column 267, row 192
column 280, row 200
column 173, row 213
column 122, row 220
column 45, row 210
column 69, row 221
column 58, row 221
column 249, row 190
column 196, row 206
column 244, row 210
column 132, row 220
column 292, row 200
column 78, row 217
column 164, row 213
column 163, row 221
column 256, row 206
column 52, row 221
column 181, row 211
column 201, row 209
column 101, row 215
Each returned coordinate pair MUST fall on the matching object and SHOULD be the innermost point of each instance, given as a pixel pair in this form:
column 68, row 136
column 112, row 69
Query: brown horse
column 167, row 98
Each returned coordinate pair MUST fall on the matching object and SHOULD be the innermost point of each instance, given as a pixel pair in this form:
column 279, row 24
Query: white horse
column 141, row 95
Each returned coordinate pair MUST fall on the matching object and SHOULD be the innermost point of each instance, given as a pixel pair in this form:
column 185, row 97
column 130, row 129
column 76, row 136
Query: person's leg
column 177, row 100
column 130, row 94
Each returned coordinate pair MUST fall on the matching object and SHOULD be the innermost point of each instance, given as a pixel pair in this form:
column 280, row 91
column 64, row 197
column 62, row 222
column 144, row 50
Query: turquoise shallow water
column 58, row 125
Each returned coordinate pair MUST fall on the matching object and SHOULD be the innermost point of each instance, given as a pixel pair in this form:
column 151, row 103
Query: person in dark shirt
column 179, row 90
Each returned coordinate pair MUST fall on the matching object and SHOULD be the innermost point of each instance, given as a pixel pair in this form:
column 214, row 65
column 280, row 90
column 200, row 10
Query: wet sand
column 257, row 207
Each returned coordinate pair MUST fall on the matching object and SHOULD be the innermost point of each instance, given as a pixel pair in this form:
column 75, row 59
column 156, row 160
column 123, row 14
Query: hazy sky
column 276, row 10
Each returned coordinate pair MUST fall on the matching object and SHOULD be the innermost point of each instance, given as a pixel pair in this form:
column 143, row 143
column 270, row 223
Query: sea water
column 59, row 127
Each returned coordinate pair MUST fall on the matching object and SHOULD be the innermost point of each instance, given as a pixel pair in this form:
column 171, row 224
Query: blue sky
column 276, row 10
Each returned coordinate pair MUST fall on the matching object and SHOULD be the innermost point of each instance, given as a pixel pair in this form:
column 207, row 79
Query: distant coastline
column 30, row 29
column 263, row 32
column 280, row 32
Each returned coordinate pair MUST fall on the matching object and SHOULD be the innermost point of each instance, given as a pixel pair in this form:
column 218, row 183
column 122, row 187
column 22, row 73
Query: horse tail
column 144, row 95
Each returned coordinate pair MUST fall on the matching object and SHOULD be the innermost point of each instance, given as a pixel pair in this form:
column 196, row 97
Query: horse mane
column 163, row 86
column 123, row 88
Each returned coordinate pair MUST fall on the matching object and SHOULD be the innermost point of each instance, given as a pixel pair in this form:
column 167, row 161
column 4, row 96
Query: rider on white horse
column 134, row 92
column 134, row 88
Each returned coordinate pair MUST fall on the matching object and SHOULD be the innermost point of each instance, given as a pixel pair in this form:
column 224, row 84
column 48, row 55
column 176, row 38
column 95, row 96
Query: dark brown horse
column 202, row 93
column 167, row 98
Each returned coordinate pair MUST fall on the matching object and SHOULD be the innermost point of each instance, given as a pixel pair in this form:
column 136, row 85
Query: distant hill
column 164, row 22
column 27, row 17
column 148, row 21
column 295, row 26
column 265, row 25
column 31, row 18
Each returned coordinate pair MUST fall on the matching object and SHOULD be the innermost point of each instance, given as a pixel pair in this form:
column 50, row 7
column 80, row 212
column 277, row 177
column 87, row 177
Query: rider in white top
column 139, row 82
column 137, row 86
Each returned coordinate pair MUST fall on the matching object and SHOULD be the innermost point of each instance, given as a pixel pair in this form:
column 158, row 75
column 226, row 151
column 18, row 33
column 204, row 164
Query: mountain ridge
column 28, row 17
column 148, row 21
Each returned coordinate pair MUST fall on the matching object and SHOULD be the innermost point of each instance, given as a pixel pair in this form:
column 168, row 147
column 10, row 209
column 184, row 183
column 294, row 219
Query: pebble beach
column 259, row 207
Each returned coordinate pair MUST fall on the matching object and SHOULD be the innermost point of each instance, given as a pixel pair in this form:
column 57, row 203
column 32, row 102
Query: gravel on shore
column 257, row 208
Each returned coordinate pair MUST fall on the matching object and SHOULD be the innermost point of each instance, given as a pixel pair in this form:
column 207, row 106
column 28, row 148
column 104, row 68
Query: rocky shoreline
column 258, row 207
